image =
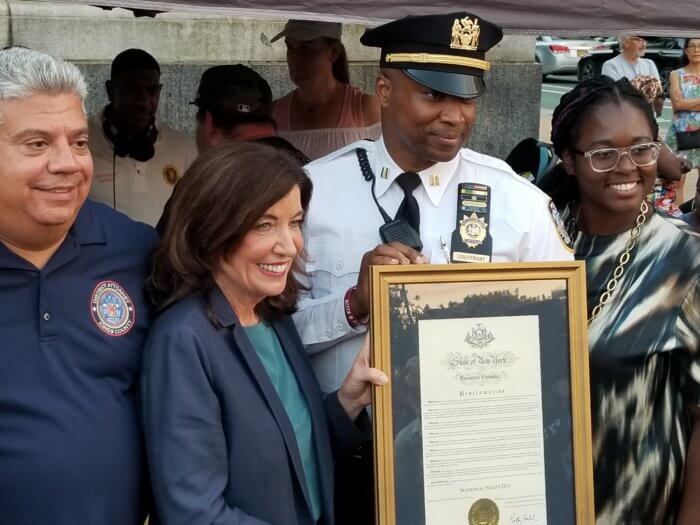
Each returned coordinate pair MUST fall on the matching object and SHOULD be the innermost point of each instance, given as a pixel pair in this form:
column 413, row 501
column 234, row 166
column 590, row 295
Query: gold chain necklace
column 622, row 261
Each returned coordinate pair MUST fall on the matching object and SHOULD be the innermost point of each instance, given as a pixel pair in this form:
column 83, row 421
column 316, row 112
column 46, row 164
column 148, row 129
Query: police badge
column 473, row 230
column 471, row 241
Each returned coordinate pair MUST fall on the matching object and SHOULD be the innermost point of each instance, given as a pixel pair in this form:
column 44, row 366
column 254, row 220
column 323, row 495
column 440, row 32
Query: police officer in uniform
column 431, row 75
column 417, row 185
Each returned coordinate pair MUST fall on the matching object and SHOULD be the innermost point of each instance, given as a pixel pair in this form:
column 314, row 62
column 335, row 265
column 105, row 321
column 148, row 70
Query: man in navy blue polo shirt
column 73, row 314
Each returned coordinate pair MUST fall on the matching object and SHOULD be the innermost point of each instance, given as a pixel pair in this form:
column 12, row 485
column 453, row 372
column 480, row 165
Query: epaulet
column 346, row 150
column 500, row 165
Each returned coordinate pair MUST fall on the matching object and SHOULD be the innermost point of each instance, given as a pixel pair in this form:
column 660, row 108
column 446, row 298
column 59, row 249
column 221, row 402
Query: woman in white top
column 324, row 112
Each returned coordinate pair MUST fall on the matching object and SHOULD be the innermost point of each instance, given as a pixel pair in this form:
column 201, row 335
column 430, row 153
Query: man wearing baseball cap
column 234, row 104
column 428, row 198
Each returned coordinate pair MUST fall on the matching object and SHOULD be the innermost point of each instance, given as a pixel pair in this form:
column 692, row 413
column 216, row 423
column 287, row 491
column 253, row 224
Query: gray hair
column 25, row 72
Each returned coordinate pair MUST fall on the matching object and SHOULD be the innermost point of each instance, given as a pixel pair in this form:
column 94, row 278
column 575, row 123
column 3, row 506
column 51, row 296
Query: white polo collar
column 435, row 179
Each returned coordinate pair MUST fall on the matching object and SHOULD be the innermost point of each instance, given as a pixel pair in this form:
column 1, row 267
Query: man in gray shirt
column 629, row 63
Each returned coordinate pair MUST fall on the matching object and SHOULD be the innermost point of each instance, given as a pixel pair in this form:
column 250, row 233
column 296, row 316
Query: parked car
column 560, row 55
column 665, row 52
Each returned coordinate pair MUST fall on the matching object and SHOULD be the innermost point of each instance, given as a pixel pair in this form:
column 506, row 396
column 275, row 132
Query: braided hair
column 566, row 120
column 567, row 117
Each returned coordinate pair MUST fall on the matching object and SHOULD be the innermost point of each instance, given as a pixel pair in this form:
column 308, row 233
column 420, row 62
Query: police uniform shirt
column 72, row 335
column 142, row 188
column 343, row 222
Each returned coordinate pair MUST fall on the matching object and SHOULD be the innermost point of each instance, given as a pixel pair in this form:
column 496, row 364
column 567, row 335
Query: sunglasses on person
column 607, row 159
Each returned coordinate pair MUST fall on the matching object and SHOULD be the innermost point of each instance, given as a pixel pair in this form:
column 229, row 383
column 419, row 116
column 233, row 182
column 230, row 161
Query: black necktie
column 408, row 209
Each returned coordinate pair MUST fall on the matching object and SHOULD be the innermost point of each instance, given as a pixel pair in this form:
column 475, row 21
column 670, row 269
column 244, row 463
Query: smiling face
column 260, row 264
column 611, row 199
column 422, row 127
column 46, row 166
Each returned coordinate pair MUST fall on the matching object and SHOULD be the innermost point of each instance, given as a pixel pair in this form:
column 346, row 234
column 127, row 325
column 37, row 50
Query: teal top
column 270, row 352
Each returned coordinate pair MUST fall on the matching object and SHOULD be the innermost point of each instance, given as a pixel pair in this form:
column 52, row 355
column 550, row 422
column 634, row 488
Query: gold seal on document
column 483, row 512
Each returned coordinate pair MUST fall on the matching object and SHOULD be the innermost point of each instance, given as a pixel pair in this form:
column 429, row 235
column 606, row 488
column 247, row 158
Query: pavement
column 556, row 86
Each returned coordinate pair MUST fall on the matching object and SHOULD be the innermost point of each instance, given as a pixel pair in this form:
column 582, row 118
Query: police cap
column 443, row 52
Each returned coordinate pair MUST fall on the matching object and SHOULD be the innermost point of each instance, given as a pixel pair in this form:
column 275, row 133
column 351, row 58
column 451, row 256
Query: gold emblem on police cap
column 465, row 34
column 483, row 512
column 170, row 174
column 473, row 230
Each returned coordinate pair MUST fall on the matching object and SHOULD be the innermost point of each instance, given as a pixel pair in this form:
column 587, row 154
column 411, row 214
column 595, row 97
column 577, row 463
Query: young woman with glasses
column 643, row 274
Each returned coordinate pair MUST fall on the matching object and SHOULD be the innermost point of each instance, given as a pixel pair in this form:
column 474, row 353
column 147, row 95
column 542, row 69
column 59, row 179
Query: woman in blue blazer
column 237, row 430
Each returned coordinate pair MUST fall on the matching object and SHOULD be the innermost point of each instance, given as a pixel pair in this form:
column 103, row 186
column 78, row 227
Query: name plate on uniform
column 469, row 429
column 471, row 240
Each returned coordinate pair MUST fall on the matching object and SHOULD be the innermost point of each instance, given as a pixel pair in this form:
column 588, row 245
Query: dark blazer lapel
column 272, row 398
column 293, row 349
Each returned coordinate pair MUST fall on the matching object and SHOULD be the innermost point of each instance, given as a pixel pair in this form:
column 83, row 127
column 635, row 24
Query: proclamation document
column 481, row 418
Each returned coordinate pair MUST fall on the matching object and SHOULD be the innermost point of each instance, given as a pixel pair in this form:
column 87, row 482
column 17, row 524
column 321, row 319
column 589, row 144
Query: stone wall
column 187, row 44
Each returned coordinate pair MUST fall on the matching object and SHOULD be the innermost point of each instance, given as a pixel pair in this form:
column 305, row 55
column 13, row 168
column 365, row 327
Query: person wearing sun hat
column 432, row 71
column 324, row 112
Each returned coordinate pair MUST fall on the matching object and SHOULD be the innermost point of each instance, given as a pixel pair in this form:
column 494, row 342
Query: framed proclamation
column 486, row 418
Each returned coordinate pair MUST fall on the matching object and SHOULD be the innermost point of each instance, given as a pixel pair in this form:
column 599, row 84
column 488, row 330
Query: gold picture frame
column 404, row 297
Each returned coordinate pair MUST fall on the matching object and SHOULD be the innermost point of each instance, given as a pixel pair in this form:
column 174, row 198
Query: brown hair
column 218, row 200
column 340, row 67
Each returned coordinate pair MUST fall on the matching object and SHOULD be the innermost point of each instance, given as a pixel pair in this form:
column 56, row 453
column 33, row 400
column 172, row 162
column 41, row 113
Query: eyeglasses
column 692, row 47
column 606, row 159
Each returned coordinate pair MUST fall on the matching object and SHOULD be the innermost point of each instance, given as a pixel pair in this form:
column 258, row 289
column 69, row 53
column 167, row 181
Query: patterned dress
column 645, row 368
column 686, row 120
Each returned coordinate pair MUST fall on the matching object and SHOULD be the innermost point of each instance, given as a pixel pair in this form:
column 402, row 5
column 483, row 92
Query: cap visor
column 455, row 84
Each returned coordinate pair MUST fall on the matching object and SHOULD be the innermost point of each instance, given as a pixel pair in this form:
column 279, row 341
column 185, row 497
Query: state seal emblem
column 465, row 34
column 479, row 336
column 473, row 230
column 484, row 512
column 112, row 308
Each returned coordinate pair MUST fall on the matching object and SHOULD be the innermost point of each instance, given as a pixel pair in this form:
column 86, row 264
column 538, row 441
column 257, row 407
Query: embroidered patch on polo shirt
column 112, row 308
